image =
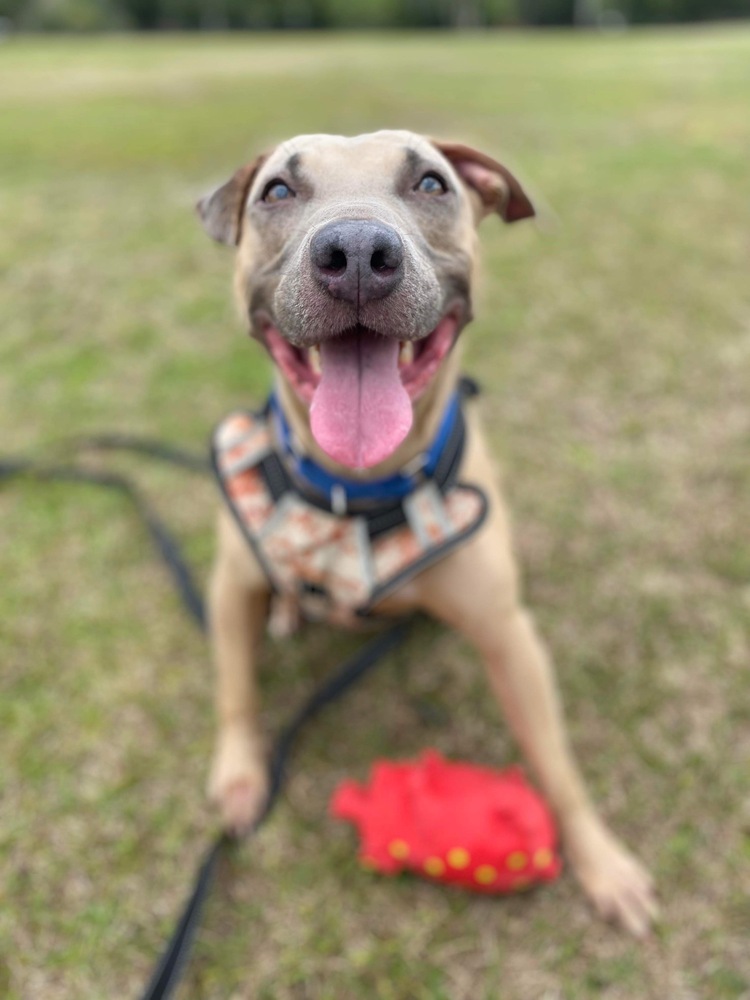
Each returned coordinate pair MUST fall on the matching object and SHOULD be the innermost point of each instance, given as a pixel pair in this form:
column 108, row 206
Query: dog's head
column 354, row 266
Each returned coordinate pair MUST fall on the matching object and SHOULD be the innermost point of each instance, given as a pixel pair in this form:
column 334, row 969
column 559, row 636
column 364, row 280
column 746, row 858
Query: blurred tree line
column 150, row 15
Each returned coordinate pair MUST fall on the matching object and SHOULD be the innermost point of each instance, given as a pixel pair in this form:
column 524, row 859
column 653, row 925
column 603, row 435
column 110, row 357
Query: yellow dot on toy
column 458, row 858
column 516, row 861
column 434, row 866
column 485, row 874
column 398, row 849
column 542, row 857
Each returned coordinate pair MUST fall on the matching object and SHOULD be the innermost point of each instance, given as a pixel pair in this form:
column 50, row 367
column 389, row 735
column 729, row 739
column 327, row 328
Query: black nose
column 358, row 260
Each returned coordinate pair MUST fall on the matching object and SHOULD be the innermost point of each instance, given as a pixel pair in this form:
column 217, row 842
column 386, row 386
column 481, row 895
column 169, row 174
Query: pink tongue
column 360, row 412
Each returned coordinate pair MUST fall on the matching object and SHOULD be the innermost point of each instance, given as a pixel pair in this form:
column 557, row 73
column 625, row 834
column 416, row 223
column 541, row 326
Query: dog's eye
column 276, row 190
column 432, row 183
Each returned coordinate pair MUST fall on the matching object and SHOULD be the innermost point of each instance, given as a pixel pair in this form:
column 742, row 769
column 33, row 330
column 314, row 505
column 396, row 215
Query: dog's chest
column 337, row 566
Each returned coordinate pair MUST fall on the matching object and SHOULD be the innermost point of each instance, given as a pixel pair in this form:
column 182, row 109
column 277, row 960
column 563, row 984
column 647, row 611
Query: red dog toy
column 456, row 823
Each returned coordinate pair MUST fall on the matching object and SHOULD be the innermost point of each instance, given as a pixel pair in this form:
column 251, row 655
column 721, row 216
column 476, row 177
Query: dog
column 354, row 269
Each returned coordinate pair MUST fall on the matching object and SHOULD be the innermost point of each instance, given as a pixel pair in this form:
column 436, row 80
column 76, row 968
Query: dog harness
column 338, row 546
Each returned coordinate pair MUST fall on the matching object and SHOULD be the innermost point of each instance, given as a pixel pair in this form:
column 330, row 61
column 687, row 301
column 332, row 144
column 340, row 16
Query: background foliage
column 99, row 15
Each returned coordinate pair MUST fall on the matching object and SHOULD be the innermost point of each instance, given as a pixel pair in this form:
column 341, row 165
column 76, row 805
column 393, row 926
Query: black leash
column 148, row 447
column 163, row 540
column 172, row 962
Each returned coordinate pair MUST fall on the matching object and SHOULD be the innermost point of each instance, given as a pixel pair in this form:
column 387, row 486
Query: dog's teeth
column 406, row 355
column 314, row 358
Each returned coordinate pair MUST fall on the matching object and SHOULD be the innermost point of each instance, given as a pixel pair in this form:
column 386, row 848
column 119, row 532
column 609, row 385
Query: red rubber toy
column 485, row 830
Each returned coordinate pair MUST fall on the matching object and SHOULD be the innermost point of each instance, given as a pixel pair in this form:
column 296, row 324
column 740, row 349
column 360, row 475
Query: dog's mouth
column 360, row 385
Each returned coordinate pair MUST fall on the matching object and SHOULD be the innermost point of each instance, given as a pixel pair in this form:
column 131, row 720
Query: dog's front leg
column 522, row 680
column 477, row 595
column 238, row 605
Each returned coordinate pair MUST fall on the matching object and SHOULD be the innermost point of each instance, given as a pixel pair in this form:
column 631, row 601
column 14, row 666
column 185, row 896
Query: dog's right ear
column 221, row 210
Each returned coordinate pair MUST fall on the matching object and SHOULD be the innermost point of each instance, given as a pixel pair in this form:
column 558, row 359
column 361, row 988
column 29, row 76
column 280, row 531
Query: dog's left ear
column 495, row 184
column 221, row 210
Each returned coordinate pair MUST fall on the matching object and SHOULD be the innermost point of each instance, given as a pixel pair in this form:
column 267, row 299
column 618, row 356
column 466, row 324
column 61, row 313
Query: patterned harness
column 339, row 546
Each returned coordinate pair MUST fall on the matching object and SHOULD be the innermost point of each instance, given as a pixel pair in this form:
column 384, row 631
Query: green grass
column 615, row 354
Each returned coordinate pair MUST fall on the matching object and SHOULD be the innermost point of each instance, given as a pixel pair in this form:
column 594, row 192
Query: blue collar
column 339, row 491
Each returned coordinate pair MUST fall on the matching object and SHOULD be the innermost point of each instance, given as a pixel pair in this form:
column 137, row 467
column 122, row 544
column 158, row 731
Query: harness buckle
column 416, row 465
column 339, row 504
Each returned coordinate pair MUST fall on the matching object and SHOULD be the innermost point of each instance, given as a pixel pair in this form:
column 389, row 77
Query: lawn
column 614, row 349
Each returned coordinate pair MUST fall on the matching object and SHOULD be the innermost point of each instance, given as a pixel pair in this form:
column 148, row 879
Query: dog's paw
column 238, row 783
column 618, row 886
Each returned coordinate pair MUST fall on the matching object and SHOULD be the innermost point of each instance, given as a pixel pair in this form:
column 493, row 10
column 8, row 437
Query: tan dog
column 357, row 255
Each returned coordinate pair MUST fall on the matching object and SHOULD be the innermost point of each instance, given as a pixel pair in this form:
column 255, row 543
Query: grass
column 615, row 354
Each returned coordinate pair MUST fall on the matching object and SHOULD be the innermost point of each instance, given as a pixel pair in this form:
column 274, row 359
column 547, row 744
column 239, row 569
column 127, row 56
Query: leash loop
column 171, row 965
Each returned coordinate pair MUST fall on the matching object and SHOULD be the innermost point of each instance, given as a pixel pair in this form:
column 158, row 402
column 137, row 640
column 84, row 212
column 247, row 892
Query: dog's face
column 354, row 267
